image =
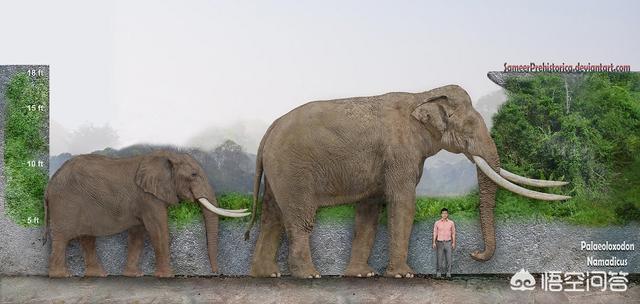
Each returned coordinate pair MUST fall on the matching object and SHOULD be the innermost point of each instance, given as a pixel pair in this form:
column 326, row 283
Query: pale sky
column 164, row 71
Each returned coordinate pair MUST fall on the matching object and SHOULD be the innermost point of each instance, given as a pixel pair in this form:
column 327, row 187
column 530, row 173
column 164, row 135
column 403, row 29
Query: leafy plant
column 589, row 140
column 27, row 101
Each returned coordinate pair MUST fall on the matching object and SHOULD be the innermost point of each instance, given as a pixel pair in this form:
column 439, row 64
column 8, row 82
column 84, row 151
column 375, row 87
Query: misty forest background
column 591, row 140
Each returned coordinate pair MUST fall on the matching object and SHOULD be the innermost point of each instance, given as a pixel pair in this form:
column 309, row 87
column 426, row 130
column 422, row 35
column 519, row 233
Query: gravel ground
column 535, row 246
column 286, row 290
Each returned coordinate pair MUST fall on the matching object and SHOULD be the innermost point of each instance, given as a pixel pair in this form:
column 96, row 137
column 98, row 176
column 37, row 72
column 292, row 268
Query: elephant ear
column 437, row 106
column 155, row 176
column 432, row 114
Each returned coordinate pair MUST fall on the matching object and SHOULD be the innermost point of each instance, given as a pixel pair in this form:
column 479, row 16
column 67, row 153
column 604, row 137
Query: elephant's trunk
column 490, row 176
column 211, row 211
column 487, row 204
column 211, row 227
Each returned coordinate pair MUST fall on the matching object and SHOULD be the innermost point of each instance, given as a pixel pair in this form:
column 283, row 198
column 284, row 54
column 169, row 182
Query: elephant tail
column 256, row 189
column 257, row 180
column 46, row 219
column 256, row 192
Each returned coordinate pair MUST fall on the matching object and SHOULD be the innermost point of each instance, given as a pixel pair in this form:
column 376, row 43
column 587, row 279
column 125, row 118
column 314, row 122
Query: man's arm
column 435, row 233
column 453, row 235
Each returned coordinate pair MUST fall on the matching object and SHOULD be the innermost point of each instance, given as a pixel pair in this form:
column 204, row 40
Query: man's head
column 444, row 213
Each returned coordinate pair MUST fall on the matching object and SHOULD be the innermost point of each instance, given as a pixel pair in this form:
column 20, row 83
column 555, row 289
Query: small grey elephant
column 95, row 195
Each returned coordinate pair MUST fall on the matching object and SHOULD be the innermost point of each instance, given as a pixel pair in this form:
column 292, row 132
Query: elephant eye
column 194, row 174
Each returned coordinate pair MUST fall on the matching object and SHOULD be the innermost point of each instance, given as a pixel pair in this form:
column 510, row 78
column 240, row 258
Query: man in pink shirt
column 444, row 240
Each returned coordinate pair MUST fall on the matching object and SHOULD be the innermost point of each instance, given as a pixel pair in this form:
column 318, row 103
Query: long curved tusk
column 235, row 210
column 224, row 212
column 499, row 180
column 530, row 181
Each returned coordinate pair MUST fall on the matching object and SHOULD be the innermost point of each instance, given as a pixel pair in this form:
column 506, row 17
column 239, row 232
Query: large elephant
column 95, row 195
column 369, row 150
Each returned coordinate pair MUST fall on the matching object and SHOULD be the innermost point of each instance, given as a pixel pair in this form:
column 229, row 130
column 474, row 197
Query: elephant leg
column 58, row 257
column 401, row 211
column 367, row 213
column 264, row 262
column 92, row 265
column 155, row 222
column 298, row 225
column 135, row 245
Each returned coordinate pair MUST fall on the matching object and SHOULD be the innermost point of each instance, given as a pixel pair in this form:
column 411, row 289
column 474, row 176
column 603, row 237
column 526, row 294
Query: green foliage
column 234, row 200
column 184, row 213
column 623, row 205
column 589, row 141
column 187, row 212
column 336, row 213
column 24, row 142
column 626, row 192
column 427, row 208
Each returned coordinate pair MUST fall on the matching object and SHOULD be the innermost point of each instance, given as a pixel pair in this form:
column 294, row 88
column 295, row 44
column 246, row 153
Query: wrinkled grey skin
column 95, row 195
column 366, row 150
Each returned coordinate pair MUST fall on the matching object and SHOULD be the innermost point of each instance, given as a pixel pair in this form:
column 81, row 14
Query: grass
column 427, row 208
column 24, row 142
column 619, row 206
column 187, row 212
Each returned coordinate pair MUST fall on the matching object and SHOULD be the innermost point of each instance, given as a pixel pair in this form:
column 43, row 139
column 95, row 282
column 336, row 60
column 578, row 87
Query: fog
column 171, row 72
column 245, row 133
column 85, row 139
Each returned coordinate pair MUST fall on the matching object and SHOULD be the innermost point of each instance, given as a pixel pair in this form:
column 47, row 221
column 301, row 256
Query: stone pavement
column 463, row 289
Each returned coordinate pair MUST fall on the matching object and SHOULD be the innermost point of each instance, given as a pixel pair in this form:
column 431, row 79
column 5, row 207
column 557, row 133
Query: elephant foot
column 163, row 273
column 95, row 272
column 305, row 273
column 61, row 273
column 403, row 271
column 266, row 275
column 134, row 273
column 359, row 271
column 265, row 270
